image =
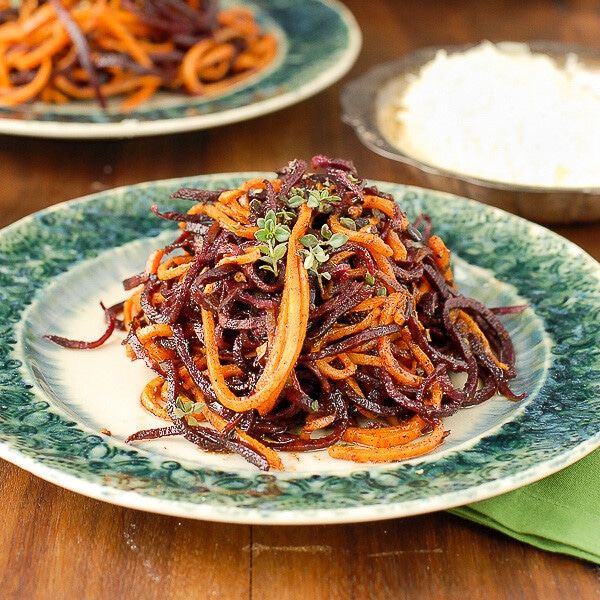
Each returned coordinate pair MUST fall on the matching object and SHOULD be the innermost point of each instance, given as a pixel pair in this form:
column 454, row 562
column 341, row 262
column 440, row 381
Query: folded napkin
column 560, row 513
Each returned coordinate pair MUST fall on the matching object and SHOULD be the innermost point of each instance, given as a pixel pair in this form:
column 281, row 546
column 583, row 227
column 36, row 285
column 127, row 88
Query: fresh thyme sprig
column 187, row 408
column 315, row 253
column 274, row 235
column 319, row 199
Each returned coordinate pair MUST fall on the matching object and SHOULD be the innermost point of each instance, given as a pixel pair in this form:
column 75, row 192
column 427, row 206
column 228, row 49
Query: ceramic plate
column 319, row 42
column 57, row 265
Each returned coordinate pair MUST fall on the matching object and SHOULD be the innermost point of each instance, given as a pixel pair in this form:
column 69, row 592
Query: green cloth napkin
column 560, row 513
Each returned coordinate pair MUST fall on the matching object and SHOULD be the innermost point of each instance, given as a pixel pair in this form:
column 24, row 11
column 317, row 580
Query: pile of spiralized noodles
column 306, row 312
column 57, row 51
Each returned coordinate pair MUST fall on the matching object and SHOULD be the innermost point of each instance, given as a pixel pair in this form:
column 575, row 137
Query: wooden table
column 59, row 545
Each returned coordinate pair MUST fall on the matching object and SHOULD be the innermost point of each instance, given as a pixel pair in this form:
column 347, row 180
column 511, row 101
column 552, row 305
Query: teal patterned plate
column 319, row 42
column 64, row 414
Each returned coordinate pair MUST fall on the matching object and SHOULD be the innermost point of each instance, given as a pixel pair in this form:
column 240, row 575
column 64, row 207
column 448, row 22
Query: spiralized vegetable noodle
column 305, row 312
column 62, row 50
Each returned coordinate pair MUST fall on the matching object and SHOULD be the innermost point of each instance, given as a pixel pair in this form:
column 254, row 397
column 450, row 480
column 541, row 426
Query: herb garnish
column 319, row 199
column 314, row 252
column 274, row 235
column 187, row 408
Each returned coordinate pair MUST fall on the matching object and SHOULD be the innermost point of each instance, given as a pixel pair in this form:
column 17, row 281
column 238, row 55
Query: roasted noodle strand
column 306, row 313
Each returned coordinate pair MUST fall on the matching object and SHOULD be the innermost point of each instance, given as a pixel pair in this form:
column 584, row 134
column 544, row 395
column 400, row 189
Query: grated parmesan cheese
column 503, row 113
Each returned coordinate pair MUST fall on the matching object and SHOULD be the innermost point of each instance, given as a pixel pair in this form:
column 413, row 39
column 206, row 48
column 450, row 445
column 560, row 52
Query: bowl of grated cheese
column 514, row 125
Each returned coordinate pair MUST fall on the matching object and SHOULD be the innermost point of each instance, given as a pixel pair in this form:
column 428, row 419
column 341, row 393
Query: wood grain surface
column 55, row 544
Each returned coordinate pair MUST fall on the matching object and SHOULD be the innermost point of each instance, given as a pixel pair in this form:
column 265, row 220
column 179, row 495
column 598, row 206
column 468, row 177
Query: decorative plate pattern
column 56, row 265
column 319, row 42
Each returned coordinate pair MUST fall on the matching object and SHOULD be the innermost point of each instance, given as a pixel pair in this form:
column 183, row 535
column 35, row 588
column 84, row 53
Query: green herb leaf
column 310, row 262
column 326, row 232
column 286, row 216
column 337, row 240
column 282, row 233
column 279, row 252
column 348, row 223
column 262, row 235
column 295, row 201
column 309, row 240
column 320, row 254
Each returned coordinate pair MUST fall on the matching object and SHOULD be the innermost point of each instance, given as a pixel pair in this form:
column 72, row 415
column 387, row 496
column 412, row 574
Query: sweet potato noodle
column 305, row 313
column 61, row 50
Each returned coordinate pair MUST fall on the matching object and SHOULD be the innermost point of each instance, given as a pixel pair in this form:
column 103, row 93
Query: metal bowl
column 367, row 101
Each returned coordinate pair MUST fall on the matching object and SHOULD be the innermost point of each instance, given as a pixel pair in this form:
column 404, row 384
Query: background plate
column 320, row 41
column 56, row 265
